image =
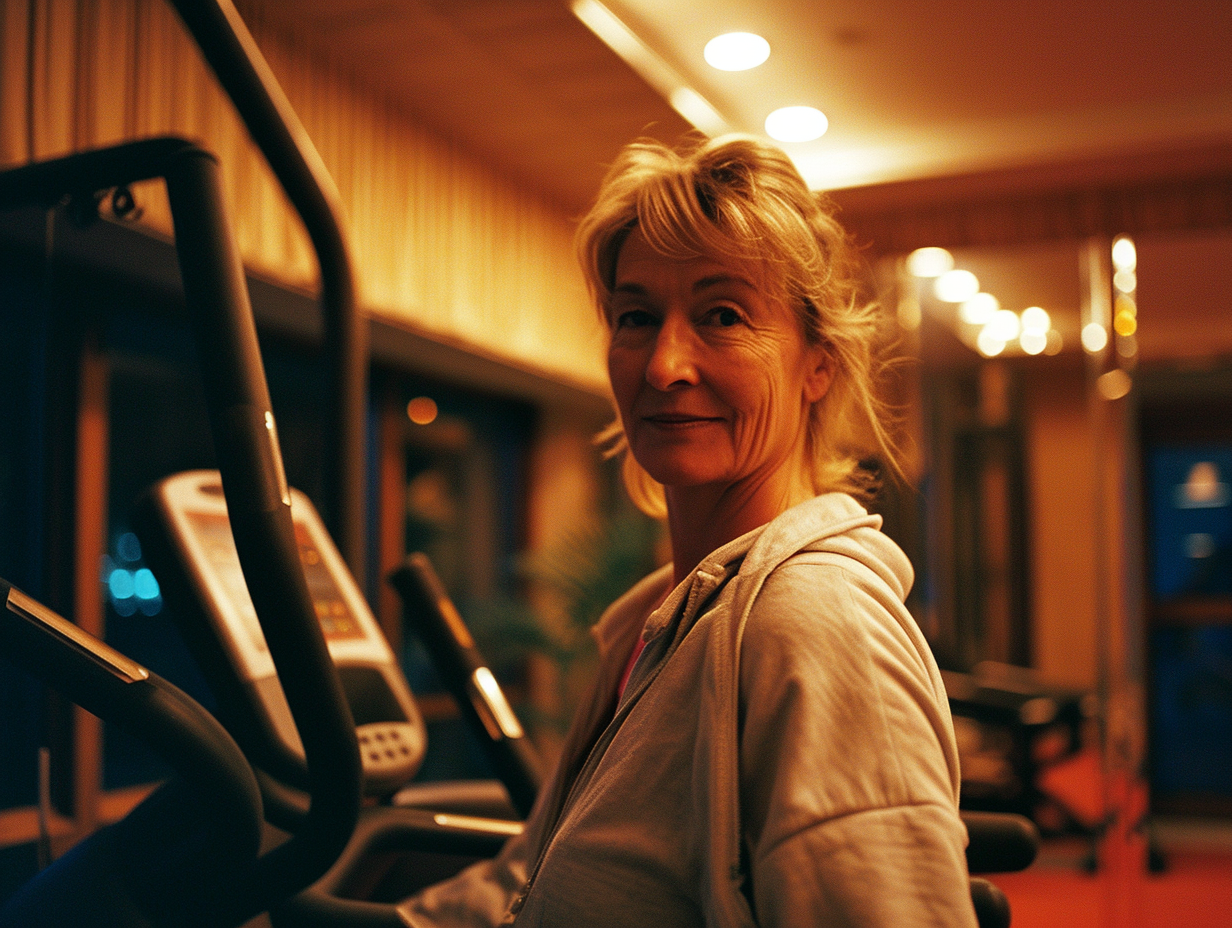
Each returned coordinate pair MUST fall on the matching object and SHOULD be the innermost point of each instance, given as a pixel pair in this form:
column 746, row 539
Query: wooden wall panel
column 443, row 246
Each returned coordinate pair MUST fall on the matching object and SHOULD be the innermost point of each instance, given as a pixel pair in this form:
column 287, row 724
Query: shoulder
column 822, row 617
column 842, row 592
column 828, row 645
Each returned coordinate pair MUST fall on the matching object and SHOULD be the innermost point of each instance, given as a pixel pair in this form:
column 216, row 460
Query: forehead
column 639, row 264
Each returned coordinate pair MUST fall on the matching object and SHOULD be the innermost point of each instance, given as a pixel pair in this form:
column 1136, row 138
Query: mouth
column 678, row 420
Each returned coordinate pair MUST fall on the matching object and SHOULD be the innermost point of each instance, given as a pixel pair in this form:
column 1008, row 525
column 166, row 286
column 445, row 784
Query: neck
column 702, row 519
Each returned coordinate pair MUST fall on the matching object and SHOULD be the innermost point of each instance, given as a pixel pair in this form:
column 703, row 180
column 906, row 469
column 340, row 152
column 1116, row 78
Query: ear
column 818, row 375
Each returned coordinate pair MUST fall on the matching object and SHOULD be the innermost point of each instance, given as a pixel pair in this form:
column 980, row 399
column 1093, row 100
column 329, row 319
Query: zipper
column 623, row 707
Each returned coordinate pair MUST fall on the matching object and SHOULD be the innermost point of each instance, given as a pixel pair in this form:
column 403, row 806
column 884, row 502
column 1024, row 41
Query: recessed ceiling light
column 736, row 51
column 796, row 124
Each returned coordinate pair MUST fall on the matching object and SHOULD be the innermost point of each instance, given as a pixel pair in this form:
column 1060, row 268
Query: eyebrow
column 716, row 279
column 711, row 280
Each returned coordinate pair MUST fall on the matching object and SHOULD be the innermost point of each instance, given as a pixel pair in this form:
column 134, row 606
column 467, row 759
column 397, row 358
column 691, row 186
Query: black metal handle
column 236, row 60
column 178, row 855
column 259, row 506
column 429, row 610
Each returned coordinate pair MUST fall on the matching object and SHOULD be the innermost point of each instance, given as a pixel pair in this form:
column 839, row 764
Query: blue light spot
column 128, row 546
column 144, row 584
column 121, row 584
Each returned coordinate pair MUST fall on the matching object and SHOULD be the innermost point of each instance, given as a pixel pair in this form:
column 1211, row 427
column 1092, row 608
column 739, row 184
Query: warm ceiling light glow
column 796, row 124
column 693, row 107
column 956, row 286
column 987, row 342
column 1055, row 343
column 736, row 51
column 421, row 410
column 1004, row 325
column 929, row 262
column 1036, row 319
column 1114, row 384
column 979, row 309
column 1125, row 281
column 1033, row 341
column 1124, row 254
column 650, row 66
column 1094, row 337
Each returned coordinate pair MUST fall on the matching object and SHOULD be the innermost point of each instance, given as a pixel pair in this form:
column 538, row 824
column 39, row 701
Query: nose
column 672, row 363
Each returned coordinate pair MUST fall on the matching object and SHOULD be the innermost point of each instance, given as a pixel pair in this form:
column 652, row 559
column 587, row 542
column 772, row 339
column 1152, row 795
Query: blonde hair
column 739, row 197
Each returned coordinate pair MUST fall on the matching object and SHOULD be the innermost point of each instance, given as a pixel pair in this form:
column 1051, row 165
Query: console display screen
column 337, row 620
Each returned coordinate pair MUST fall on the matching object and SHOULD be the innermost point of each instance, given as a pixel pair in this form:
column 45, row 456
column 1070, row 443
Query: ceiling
column 912, row 90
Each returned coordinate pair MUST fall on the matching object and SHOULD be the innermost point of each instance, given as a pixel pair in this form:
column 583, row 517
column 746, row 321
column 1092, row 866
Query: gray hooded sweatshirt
column 782, row 755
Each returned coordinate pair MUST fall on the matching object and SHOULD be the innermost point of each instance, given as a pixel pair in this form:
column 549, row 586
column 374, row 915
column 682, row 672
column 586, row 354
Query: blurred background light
column 796, row 124
column 1033, row 341
column 736, row 51
column 421, row 410
column 1036, row 319
column 956, row 286
column 1114, row 384
column 1094, row 337
column 988, row 344
column 1124, row 254
column 979, row 309
column 1004, row 325
column 929, row 262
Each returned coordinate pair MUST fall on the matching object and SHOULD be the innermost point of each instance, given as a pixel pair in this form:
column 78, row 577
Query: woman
column 768, row 741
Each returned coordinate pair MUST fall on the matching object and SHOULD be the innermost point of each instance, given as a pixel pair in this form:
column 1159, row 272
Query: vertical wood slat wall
column 442, row 245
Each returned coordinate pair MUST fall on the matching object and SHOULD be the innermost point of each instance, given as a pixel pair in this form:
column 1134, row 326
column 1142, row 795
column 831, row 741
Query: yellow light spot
column 1125, row 304
column 1125, row 324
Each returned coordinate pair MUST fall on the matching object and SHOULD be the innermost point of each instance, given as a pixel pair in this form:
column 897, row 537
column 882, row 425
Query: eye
column 725, row 316
column 631, row 319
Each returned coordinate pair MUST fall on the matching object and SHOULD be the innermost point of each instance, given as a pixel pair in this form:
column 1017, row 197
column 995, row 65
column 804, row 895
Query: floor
column 1193, row 891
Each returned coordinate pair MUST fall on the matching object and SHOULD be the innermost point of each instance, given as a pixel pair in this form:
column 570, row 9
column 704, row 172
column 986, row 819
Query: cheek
column 622, row 374
column 770, row 399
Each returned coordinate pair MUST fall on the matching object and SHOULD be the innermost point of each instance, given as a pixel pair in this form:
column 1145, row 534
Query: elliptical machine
column 189, row 854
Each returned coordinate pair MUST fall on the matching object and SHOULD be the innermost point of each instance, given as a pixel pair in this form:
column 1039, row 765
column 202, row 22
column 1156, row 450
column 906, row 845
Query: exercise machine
column 166, row 835
column 185, row 531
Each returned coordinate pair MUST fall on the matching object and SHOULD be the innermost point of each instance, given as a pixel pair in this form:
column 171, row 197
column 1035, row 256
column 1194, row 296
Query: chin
column 682, row 476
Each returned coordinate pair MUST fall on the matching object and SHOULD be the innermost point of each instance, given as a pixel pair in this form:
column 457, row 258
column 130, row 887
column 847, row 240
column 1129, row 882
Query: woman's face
column 712, row 377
